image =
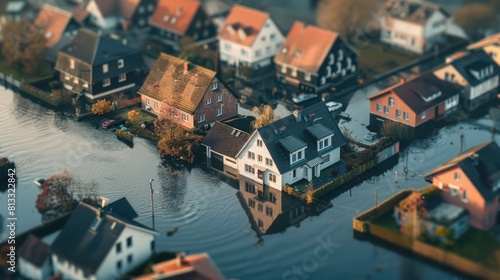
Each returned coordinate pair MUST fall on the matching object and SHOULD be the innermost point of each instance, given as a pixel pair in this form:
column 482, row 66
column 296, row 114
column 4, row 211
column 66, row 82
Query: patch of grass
column 20, row 75
column 387, row 221
column 480, row 246
column 143, row 117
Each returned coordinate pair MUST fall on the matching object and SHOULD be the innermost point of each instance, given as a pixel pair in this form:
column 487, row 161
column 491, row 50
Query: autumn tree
column 414, row 210
column 265, row 116
column 23, row 47
column 349, row 18
column 101, row 107
column 310, row 193
column 476, row 19
column 132, row 115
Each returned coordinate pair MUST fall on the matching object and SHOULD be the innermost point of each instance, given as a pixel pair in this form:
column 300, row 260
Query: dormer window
column 166, row 18
column 297, row 156
column 324, row 143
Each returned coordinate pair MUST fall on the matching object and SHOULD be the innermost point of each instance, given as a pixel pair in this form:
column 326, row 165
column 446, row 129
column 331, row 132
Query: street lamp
column 152, row 208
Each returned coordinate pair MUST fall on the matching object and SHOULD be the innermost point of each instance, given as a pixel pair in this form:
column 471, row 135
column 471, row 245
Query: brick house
column 415, row 102
column 471, row 180
column 195, row 95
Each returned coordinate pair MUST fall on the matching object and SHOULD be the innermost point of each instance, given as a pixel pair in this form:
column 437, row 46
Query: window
column 215, row 86
column 249, row 169
column 72, row 64
column 106, row 82
column 118, row 247
column 269, row 162
column 386, row 110
column 294, row 173
column 243, row 52
column 185, row 117
column 454, row 192
column 323, row 80
column 341, row 54
column 251, row 155
column 249, row 187
column 129, row 242
column 464, row 195
column 260, row 223
column 147, row 101
column 272, row 36
column 251, row 203
column 272, row 178
column 209, row 101
column 219, row 98
column 297, row 156
column 259, row 143
column 151, row 7
column 272, row 197
column 123, row 77
column 201, row 118
column 307, row 76
column 424, row 115
column 219, row 112
column 121, row 63
column 141, row 10
column 391, row 102
column 269, row 211
column 119, row 265
column 105, row 68
column 332, row 59
column 323, row 144
column 379, row 107
column 326, row 158
column 457, row 176
column 406, row 116
column 260, row 208
column 294, row 72
column 156, row 104
column 129, row 258
column 66, row 77
column 227, row 47
column 258, row 52
column 259, row 158
column 152, row 245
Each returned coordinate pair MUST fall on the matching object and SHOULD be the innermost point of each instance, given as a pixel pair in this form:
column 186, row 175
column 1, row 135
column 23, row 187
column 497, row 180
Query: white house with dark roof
column 34, row 259
column 292, row 149
column 101, row 243
column 249, row 37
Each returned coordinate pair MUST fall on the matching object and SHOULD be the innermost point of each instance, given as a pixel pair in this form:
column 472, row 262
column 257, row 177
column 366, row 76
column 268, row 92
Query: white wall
column 30, row 271
column 430, row 31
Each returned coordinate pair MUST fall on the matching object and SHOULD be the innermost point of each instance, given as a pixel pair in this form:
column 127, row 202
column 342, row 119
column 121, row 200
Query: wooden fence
column 128, row 102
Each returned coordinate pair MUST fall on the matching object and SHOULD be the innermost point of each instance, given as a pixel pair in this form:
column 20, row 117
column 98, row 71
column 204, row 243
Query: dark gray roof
column 275, row 135
column 225, row 139
column 85, row 247
column 319, row 131
column 123, row 208
column 292, row 143
column 34, row 250
column 474, row 61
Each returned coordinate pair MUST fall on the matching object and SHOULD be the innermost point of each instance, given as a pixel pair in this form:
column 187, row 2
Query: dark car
column 108, row 124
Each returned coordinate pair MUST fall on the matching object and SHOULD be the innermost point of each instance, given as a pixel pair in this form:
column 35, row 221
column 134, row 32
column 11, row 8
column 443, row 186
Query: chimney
column 186, row 67
column 296, row 113
column 181, row 259
column 402, row 80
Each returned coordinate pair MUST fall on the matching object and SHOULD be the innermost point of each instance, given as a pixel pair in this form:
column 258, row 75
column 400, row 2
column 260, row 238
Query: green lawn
column 143, row 117
column 21, row 76
column 388, row 222
column 480, row 246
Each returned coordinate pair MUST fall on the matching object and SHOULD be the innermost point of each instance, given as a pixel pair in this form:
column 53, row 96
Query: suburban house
column 471, row 181
column 101, row 243
column 174, row 20
column 217, row 10
column 34, row 259
column 95, row 66
column 490, row 45
column 195, row 267
column 58, row 27
column 313, row 60
column 188, row 94
column 291, row 149
column 249, row 38
column 413, row 25
column 223, row 142
column 415, row 103
column 121, row 14
column 477, row 73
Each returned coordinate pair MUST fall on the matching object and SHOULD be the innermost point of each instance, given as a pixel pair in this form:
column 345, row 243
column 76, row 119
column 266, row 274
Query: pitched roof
column 490, row 40
column 242, row 25
column 291, row 133
column 423, row 92
column 34, row 250
column 306, row 47
column 167, row 80
column 80, row 14
column 225, row 139
column 469, row 65
column 481, row 164
column 175, row 15
column 192, row 267
column 85, row 239
column 53, row 21
column 416, row 11
column 123, row 8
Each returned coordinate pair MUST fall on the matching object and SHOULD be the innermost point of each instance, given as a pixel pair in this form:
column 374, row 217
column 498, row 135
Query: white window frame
column 251, row 155
column 423, row 115
column 386, row 110
column 215, row 86
column 209, row 101
column 219, row 98
column 456, row 176
column 71, row 64
column 106, row 82
column 156, row 104
column 392, row 102
column 259, row 143
column 269, row 162
column 219, row 112
column 464, row 196
column 123, row 77
column 398, row 114
column 105, row 68
column 185, row 117
column 307, row 76
column 201, row 118
column 121, row 63
column 406, row 116
column 378, row 107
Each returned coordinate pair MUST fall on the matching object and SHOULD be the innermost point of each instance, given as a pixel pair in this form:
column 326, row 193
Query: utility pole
column 152, row 207
column 376, row 203
column 462, row 143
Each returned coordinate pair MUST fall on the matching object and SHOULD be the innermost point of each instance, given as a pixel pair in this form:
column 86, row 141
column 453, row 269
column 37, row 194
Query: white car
column 333, row 106
column 303, row 97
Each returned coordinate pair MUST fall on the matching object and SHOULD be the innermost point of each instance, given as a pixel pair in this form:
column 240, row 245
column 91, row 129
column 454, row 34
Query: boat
column 39, row 181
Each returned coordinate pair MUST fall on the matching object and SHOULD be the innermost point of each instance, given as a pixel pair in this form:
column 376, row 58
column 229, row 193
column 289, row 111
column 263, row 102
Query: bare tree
column 265, row 115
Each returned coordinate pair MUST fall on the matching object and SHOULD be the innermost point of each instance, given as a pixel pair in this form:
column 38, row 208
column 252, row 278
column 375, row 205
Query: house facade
column 174, row 20
column 291, row 149
column 98, row 243
column 94, row 66
column 312, row 60
column 121, row 14
column 415, row 103
column 413, row 25
column 477, row 73
column 189, row 95
column 249, row 38
column 472, row 181
column 34, row 259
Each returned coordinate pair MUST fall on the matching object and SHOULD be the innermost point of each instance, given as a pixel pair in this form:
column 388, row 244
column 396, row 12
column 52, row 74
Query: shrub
column 124, row 135
column 132, row 115
column 101, row 107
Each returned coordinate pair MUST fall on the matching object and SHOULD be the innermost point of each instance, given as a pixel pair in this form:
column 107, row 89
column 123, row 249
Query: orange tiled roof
column 53, row 21
column 242, row 25
column 175, row 15
column 167, row 80
column 306, row 47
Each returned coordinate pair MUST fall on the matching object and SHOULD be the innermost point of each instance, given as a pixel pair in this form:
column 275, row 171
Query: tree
column 414, row 208
column 132, row 115
column 475, row 19
column 349, row 18
column 396, row 131
column 101, row 107
column 310, row 193
column 265, row 116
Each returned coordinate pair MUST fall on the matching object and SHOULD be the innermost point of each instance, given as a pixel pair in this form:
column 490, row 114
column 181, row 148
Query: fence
column 128, row 102
column 38, row 93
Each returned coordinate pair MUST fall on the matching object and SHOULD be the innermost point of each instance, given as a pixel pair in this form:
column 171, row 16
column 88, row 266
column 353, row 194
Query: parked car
column 371, row 136
column 303, row 97
column 39, row 181
column 108, row 124
column 333, row 106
